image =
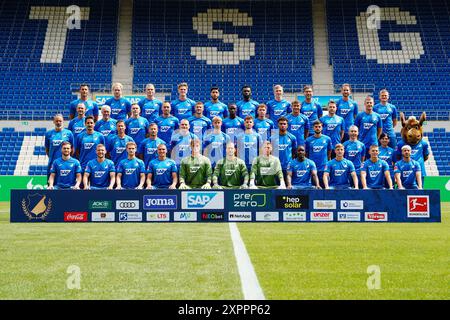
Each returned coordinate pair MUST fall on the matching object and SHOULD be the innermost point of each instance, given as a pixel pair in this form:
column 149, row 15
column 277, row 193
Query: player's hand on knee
column 206, row 186
column 216, row 186
column 183, row 186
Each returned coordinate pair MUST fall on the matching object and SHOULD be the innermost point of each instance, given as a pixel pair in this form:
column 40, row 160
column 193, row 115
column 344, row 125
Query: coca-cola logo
column 75, row 216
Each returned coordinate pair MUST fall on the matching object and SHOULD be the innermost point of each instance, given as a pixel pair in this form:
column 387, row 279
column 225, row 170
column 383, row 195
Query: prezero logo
column 244, row 200
column 202, row 200
column 156, row 202
column 127, row 204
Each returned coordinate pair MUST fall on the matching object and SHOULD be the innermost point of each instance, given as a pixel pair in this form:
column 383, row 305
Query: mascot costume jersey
column 412, row 135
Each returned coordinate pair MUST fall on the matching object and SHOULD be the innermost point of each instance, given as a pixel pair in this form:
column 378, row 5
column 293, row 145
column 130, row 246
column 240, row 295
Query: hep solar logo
column 203, row 200
column 418, row 207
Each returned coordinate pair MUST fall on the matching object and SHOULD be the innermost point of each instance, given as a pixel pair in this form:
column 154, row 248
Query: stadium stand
column 417, row 75
column 38, row 63
column 440, row 140
column 274, row 45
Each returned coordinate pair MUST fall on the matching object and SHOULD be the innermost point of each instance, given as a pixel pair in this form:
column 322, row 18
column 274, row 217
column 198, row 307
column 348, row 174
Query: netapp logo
column 185, row 216
column 213, row 216
column 203, row 200
column 244, row 200
column 127, row 204
column 349, row 216
column 103, row 217
column 130, row 216
column 352, row 204
column 158, row 216
column 294, row 216
column 324, row 204
column 321, row 216
column 292, row 202
column 267, row 216
column 239, row 216
column 157, row 202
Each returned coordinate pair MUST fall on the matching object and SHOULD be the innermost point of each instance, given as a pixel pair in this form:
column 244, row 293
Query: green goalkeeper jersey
column 195, row 171
column 266, row 171
column 230, row 173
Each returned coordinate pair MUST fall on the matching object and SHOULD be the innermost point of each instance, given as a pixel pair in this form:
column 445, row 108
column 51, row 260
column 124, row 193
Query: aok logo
column 202, row 200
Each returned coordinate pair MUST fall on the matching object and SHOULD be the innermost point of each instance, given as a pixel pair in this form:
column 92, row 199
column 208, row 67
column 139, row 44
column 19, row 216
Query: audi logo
column 127, row 205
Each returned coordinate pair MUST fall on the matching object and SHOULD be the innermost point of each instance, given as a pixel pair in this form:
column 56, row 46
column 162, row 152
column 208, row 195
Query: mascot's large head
column 412, row 130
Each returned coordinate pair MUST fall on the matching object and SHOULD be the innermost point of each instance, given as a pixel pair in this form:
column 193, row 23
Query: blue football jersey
column 340, row 172
column 166, row 127
column 387, row 113
column 348, row 110
column 65, row 172
column 355, row 151
column 264, row 128
column 332, row 127
column 368, row 125
column 137, row 128
column 162, row 172
column 283, row 145
column 214, row 146
column 150, row 109
column 117, row 148
column 99, row 173
column 91, row 107
column 246, row 108
column 248, row 145
column 317, row 150
column 312, row 111
column 418, row 153
column 183, row 109
column 149, row 149
column 106, row 128
column 375, row 173
column 87, row 144
column 218, row 109
column 77, row 126
column 301, row 172
column 297, row 126
column 278, row 109
column 198, row 126
column 407, row 171
column 53, row 140
column 120, row 108
column 131, row 172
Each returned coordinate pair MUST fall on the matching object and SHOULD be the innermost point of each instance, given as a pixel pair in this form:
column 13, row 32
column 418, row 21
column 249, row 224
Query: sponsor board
column 349, row 216
column 203, row 200
column 158, row 202
column 158, row 216
column 292, row 202
column 185, row 216
column 130, row 216
column 239, row 216
column 249, row 200
column 352, row 204
column 75, row 216
column 324, row 204
column 212, row 216
column 418, row 207
column 103, row 216
column 267, row 216
column 321, row 216
column 127, row 204
column 100, row 205
column 376, row 216
column 294, row 216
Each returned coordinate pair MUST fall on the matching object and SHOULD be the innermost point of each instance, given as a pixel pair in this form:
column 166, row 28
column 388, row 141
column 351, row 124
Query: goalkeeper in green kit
column 266, row 170
column 195, row 170
column 230, row 172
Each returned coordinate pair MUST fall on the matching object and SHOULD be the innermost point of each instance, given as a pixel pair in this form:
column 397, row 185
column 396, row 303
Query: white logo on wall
column 30, row 186
column 243, row 48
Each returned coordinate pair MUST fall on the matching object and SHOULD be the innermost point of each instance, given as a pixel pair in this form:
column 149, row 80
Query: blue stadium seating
column 440, row 140
column 41, row 89
column 163, row 36
column 421, row 85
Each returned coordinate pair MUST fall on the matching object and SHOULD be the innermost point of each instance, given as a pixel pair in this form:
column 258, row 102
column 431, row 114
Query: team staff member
column 107, row 126
column 54, row 138
column 407, row 171
column 100, row 173
column 131, row 171
column 339, row 171
column 162, row 171
column 300, row 171
column 65, row 172
column 375, row 171
column 230, row 172
column 195, row 170
column 266, row 170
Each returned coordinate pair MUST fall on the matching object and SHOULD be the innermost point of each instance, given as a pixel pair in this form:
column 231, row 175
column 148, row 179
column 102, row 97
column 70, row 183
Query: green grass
column 196, row 261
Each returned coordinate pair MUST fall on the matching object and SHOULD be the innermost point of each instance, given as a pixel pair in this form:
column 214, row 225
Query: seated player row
column 185, row 108
column 195, row 171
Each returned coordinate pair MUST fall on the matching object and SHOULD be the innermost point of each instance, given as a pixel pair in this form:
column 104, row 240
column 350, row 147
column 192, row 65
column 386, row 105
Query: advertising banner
column 225, row 205
column 7, row 183
column 439, row 183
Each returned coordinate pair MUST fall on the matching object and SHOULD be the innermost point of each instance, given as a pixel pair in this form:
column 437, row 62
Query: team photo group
column 187, row 144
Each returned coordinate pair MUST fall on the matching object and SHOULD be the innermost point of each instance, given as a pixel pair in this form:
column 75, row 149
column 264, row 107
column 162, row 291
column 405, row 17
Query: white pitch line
column 249, row 281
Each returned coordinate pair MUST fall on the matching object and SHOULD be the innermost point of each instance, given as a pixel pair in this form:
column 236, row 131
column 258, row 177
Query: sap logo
column 339, row 172
column 217, row 145
column 183, row 147
column 407, row 173
column 308, row 113
column 265, row 171
column 375, row 173
column 301, row 173
column 185, row 216
column 57, row 143
column 149, row 111
column 194, row 169
column 353, row 153
column 367, row 126
column 120, row 149
column 164, row 128
column 116, row 111
column 414, row 152
column 331, row 126
column 130, row 171
column 384, row 116
column 229, row 172
column 88, row 145
column 105, row 132
column 64, row 173
column 248, row 145
column 160, row 171
column 282, row 146
column 198, row 129
column 278, row 112
column 203, row 200
column 79, row 129
column 231, row 130
column 99, row 174
column 151, row 150
column 134, row 130
column 160, row 202
column 317, row 148
column 182, row 110
column 345, row 111
column 295, row 127
column 214, row 113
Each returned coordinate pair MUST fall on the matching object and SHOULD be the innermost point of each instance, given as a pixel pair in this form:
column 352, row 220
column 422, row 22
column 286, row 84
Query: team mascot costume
column 412, row 135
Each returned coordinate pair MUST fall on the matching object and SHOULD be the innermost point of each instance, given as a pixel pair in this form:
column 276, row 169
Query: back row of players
column 248, row 125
